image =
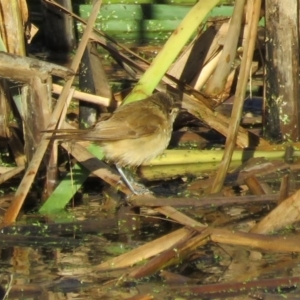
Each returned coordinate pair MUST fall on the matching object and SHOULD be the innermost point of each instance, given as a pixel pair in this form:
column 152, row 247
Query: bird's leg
column 136, row 188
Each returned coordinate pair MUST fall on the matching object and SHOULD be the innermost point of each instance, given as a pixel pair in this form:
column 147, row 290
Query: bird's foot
column 136, row 188
column 139, row 189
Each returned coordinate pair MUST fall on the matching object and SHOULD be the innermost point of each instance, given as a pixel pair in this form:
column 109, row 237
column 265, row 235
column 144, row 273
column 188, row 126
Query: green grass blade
column 69, row 185
column 171, row 49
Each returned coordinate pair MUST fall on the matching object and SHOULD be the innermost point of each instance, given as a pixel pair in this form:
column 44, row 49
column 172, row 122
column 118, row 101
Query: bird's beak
column 180, row 108
column 177, row 104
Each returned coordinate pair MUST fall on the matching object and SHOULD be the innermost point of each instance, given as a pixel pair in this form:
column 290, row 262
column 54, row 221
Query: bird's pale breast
column 135, row 152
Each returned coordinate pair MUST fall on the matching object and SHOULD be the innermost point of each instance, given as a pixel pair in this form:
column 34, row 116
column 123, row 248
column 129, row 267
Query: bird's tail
column 66, row 134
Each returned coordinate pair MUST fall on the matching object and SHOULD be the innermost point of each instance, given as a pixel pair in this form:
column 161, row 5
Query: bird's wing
column 130, row 128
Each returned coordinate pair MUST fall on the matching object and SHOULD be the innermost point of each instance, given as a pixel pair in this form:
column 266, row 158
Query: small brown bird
column 135, row 133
